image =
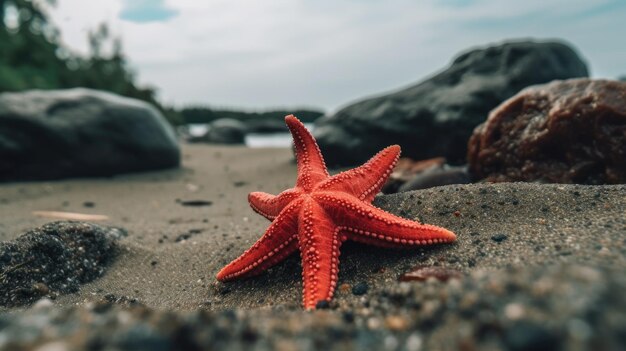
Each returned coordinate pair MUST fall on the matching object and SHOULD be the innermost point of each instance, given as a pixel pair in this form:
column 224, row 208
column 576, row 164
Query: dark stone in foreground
column 54, row 259
column 436, row 117
column 571, row 131
column 532, row 308
column 80, row 133
column 360, row 288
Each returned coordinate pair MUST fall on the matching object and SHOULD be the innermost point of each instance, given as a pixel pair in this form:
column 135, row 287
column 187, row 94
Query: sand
column 184, row 225
column 156, row 265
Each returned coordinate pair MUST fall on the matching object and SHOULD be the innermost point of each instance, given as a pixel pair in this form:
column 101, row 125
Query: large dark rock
column 54, row 259
column 571, row 131
column 436, row 117
column 81, row 132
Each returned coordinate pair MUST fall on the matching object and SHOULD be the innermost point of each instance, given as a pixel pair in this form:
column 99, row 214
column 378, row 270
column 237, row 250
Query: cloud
column 261, row 54
column 143, row 11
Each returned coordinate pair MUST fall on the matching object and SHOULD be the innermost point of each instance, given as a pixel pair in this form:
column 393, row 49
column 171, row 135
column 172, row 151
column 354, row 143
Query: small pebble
column 499, row 237
column 196, row 203
column 360, row 288
column 322, row 305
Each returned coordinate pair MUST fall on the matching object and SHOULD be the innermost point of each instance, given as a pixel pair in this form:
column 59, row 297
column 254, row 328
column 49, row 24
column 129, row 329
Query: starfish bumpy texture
column 321, row 212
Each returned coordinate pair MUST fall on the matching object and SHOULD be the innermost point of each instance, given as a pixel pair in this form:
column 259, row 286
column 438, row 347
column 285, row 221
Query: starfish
column 321, row 212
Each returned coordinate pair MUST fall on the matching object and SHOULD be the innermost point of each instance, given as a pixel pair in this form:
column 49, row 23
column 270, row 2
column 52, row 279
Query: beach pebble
column 360, row 288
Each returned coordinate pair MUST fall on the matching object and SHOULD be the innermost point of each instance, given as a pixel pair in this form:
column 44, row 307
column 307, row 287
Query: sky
column 259, row 55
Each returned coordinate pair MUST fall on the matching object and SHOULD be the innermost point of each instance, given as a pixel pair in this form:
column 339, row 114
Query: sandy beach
column 184, row 225
column 168, row 259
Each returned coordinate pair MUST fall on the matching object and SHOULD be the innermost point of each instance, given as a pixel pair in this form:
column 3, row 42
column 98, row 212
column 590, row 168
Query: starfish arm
column 365, row 182
column 311, row 166
column 319, row 250
column 278, row 242
column 268, row 205
column 372, row 225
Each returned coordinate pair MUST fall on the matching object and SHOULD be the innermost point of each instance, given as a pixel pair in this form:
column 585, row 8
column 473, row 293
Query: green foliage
column 31, row 57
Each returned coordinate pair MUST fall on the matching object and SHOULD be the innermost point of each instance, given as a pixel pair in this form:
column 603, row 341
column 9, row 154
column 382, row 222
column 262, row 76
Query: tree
column 32, row 57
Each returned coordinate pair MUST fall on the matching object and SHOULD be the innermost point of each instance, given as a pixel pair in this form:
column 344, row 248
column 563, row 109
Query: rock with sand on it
column 436, row 116
column 54, row 259
column 571, row 131
column 80, row 133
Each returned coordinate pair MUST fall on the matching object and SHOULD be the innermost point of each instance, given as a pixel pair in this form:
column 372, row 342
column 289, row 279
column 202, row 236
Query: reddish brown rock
column 571, row 131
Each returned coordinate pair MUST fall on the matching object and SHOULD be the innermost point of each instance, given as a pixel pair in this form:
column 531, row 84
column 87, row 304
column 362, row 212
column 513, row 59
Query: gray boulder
column 223, row 131
column 81, row 133
column 436, row 116
column 266, row 126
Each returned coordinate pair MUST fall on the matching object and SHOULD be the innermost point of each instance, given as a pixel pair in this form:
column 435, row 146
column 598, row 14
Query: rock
column 226, row 131
column 436, row 117
column 571, row 131
column 360, row 288
column 499, row 237
column 79, row 133
column 266, row 126
column 415, row 175
column 439, row 176
column 406, row 169
column 54, row 259
column 527, row 335
column 223, row 131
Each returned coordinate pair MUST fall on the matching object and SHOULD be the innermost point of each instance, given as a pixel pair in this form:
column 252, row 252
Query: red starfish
column 320, row 213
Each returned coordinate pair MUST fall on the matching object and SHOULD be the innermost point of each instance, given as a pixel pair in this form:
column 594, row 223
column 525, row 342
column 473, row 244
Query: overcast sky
column 260, row 54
